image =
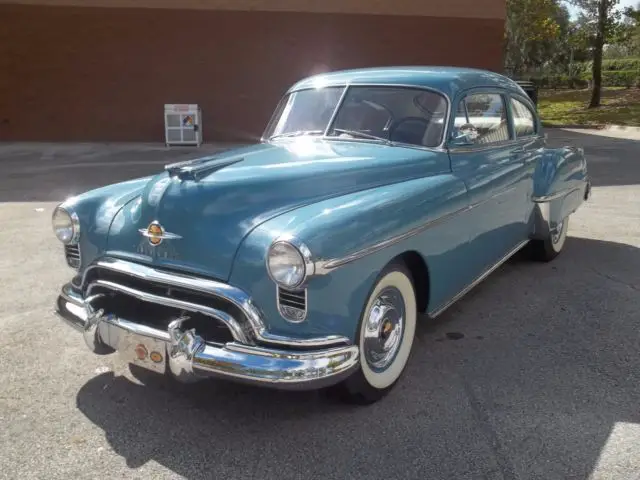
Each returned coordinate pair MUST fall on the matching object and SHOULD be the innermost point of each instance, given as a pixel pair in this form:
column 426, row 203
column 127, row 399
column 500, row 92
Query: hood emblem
column 155, row 233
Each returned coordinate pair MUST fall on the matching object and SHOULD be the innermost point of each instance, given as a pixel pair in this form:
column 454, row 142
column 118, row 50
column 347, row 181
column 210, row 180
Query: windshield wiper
column 297, row 133
column 357, row 133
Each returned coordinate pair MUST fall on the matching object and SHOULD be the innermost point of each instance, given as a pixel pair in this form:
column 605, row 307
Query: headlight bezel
column 74, row 222
column 305, row 256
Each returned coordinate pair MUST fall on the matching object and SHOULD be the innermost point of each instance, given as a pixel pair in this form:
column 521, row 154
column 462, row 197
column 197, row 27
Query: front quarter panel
column 96, row 210
column 336, row 228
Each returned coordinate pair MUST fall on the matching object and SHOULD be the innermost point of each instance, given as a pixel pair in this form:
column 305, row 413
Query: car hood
column 206, row 215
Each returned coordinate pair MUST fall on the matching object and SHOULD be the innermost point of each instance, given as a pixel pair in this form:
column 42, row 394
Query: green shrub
column 620, row 78
column 579, row 75
column 620, row 64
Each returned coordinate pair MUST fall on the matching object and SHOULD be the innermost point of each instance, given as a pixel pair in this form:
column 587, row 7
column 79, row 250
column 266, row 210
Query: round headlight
column 65, row 225
column 286, row 265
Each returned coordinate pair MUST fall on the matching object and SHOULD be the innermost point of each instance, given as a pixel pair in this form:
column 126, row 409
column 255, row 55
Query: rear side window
column 487, row 113
column 523, row 120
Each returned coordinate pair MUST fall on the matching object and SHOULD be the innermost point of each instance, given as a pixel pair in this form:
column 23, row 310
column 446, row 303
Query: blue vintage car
column 375, row 197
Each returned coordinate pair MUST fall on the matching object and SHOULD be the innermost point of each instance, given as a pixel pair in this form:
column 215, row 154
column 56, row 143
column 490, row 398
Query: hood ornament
column 156, row 233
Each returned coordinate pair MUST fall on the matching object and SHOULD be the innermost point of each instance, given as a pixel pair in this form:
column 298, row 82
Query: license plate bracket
column 147, row 352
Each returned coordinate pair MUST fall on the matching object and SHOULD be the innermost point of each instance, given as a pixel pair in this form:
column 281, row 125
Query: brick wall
column 103, row 74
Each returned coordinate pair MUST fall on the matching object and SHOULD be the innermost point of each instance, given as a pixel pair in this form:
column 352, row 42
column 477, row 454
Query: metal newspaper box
column 182, row 124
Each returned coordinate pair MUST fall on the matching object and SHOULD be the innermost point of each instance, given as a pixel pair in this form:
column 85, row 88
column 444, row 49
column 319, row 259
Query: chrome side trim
column 479, row 279
column 553, row 196
column 543, row 226
column 237, row 297
column 232, row 324
column 323, row 267
column 512, row 142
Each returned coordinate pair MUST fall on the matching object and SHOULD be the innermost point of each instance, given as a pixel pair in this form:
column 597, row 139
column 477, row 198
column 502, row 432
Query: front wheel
column 549, row 248
column 385, row 336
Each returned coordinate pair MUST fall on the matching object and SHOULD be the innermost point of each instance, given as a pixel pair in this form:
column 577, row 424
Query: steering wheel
column 396, row 124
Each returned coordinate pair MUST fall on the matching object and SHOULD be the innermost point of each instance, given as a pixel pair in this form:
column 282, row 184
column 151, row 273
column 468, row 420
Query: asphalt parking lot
column 534, row 375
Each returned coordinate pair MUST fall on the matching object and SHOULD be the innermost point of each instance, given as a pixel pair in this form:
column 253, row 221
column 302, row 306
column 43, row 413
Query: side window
column 461, row 115
column 523, row 120
column 461, row 126
column 487, row 113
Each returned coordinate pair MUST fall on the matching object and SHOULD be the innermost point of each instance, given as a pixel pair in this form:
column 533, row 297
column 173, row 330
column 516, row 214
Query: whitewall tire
column 549, row 248
column 385, row 335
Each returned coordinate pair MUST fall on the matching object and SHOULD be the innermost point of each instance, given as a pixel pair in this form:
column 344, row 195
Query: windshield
column 405, row 115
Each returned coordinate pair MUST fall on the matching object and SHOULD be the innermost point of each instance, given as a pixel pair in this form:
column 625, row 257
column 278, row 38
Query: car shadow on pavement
column 526, row 377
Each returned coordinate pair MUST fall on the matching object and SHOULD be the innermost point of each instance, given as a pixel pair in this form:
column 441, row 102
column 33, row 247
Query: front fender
column 561, row 185
column 376, row 225
column 97, row 209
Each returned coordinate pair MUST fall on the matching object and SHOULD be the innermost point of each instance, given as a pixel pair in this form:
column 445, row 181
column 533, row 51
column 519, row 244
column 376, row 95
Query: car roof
column 448, row 80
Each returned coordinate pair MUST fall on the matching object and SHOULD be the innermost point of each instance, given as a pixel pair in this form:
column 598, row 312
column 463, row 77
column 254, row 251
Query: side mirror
column 465, row 135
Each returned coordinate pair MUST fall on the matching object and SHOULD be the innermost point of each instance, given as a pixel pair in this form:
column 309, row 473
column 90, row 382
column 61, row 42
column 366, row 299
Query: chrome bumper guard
column 186, row 356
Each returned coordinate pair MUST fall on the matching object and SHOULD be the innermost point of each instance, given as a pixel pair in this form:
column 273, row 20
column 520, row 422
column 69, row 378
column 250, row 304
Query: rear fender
column 561, row 185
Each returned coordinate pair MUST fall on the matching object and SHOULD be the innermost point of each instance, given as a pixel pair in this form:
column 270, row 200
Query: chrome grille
column 292, row 305
column 159, row 316
column 72, row 255
column 157, row 304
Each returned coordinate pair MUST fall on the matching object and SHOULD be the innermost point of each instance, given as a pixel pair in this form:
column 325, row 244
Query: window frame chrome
column 529, row 105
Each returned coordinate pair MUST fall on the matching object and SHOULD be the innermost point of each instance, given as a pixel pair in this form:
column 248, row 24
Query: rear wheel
column 549, row 248
column 385, row 336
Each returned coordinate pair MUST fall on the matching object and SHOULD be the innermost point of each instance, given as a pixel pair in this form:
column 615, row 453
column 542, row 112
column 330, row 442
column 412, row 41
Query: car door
column 529, row 140
column 487, row 159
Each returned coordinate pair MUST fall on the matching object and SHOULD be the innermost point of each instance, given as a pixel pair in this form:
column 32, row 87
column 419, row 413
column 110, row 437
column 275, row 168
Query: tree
column 529, row 24
column 629, row 33
column 598, row 18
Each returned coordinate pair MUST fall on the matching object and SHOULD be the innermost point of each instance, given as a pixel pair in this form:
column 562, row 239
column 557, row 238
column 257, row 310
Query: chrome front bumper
column 186, row 356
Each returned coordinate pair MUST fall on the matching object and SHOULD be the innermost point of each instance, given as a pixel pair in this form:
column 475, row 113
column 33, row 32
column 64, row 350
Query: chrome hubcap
column 383, row 329
column 557, row 233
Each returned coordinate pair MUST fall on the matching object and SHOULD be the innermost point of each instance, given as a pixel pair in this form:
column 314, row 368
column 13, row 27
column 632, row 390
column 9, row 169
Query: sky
column 622, row 5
